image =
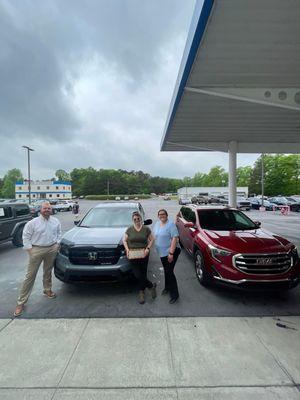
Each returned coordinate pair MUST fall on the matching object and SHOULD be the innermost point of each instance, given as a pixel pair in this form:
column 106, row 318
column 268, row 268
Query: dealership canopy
column 238, row 88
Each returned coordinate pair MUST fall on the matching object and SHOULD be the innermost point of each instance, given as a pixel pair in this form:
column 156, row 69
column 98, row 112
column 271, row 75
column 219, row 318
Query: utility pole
column 262, row 179
column 107, row 187
column 28, row 161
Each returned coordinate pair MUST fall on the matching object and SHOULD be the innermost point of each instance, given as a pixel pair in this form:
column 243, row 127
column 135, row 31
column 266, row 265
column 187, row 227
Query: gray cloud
column 89, row 83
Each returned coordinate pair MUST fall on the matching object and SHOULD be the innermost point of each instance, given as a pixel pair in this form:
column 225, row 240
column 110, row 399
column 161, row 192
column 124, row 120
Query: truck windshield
column 109, row 217
column 225, row 220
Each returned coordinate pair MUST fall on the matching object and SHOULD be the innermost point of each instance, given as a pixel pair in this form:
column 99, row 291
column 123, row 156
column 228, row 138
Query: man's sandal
column 18, row 310
column 49, row 294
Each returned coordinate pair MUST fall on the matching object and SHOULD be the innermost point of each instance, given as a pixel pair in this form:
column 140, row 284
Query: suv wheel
column 17, row 239
column 201, row 272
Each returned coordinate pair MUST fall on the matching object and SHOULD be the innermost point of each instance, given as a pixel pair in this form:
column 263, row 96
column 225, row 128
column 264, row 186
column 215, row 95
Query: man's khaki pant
column 36, row 256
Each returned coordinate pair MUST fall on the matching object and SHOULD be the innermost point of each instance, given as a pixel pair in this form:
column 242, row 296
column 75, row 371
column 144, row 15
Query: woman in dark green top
column 139, row 237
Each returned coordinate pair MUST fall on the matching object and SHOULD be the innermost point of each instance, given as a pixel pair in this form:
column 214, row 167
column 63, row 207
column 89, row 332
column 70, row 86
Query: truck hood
column 94, row 236
column 251, row 241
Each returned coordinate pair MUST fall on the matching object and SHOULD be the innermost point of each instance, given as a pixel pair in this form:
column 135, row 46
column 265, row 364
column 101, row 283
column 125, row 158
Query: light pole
column 28, row 159
column 262, row 181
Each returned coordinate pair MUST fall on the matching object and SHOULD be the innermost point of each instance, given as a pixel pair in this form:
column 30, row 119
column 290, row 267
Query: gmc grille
column 263, row 263
column 94, row 256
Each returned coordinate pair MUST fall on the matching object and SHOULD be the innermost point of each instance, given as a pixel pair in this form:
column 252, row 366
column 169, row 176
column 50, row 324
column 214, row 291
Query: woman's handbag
column 135, row 254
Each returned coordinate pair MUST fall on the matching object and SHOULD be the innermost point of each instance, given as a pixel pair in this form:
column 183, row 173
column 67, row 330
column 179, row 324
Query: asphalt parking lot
column 120, row 300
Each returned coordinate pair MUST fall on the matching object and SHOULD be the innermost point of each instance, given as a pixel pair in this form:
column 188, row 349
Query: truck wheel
column 201, row 272
column 17, row 239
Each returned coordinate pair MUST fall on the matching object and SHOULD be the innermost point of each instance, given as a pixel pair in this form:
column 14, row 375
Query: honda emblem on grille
column 92, row 256
column 264, row 261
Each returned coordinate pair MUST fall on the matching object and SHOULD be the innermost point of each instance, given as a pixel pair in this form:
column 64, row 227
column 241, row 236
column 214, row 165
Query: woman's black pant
column 139, row 268
column 170, row 278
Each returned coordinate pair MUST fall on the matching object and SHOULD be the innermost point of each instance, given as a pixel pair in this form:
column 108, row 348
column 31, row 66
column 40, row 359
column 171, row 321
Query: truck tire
column 201, row 272
column 17, row 239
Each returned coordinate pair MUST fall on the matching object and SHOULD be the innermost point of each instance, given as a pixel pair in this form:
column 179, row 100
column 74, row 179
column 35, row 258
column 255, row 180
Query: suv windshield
column 109, row 217
column 225, row 220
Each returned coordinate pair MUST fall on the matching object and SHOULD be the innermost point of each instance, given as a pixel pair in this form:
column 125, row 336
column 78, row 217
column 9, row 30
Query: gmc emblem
column 265, row 261
column 92, row 256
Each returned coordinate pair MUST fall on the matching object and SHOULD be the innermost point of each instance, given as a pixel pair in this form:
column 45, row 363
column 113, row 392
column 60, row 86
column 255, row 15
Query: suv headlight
column 122, row 250
column 217, row 252
column 294, row 251
column 294, row 254
column 64, row 249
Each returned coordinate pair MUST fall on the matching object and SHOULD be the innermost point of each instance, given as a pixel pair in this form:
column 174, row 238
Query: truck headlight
column 217, row 252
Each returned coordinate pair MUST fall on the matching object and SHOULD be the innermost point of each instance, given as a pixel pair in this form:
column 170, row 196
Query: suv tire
column 17, row 239
column 201, row 272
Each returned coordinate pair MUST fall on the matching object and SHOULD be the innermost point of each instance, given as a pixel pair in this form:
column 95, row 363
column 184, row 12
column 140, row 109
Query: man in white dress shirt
column 41, row 238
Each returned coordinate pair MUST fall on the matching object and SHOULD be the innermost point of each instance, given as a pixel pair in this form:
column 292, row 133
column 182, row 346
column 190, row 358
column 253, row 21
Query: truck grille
column 263, row 263
column 94, row 256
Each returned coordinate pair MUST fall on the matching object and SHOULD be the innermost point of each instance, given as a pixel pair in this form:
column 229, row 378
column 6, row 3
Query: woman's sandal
column 18, row 310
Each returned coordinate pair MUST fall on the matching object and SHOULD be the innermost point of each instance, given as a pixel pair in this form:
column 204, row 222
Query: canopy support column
column 232, row 151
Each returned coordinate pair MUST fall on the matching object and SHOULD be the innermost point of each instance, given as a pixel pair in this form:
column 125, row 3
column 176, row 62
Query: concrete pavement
column 150, row 358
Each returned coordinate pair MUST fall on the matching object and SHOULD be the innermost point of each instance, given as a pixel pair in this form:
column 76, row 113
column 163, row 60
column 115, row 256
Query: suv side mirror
column 189, row 225
column 148, row 221
column 258, row 224
column 76, row 222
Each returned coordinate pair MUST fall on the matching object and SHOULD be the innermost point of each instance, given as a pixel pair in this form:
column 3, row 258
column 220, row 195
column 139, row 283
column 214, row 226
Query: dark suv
column 229, row 247
column 13, row 217
column 93, row 250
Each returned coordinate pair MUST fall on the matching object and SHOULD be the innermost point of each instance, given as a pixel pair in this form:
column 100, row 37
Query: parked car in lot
column 201, row 198
column 64, row 205
column 286, row 201
column 243, row 204
column 93, row 250
column 13, row 217
column 219, row 199
column 184, row 200
column 256, row 203
column 227, row 246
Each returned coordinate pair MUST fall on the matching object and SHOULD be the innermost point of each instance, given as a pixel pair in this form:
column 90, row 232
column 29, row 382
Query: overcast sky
column 89, row 83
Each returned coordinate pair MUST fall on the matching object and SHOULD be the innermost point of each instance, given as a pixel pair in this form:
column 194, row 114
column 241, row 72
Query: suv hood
column 251, row 241
column 94, row 236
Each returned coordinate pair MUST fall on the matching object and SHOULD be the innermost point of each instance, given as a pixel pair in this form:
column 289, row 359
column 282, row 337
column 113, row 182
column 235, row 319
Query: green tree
column 281, row 175
column 1, row 186
column 243, row 175
column 62, row 175
column 9, row 180
column 217, row 176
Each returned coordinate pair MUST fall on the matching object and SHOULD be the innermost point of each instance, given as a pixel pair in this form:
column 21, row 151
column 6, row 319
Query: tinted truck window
column 5, row 212
column 22, row 210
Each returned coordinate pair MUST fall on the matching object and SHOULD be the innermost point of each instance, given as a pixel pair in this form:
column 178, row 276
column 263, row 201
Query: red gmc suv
column 229, row 247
